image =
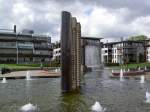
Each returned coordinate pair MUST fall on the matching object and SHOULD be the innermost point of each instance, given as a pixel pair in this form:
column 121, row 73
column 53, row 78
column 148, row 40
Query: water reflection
column 116, row 96
column 73, row 102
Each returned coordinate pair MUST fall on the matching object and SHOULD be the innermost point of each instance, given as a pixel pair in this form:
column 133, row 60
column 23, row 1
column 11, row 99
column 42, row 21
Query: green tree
column 138, row 37
column 55, row 63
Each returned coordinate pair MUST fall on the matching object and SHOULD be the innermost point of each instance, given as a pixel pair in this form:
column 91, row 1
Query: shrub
column 111, row 64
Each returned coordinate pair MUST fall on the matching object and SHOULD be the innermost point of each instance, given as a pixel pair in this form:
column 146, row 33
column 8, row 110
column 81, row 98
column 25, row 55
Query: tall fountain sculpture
column 70, row 52
column 4, row 80
column 121, row 75
column 92, row 56
column 91, row 53
column 142, row 79
column 97, row 107
column 147, row 97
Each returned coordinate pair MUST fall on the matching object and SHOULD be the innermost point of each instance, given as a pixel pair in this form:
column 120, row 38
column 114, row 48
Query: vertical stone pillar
column 74, row 53
column 66, row 51
column 70, row 52
column 78, row 40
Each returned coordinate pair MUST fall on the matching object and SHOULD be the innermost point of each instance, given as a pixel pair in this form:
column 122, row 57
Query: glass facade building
column 25, row 48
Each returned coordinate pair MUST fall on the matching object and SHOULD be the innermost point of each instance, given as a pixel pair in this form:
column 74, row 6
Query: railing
column 43, row 53
column 8, row 46
column 43, row 47
column 26, row 46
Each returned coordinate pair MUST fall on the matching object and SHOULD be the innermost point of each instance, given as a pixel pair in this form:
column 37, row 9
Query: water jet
column 97, row 107
column 29, row 108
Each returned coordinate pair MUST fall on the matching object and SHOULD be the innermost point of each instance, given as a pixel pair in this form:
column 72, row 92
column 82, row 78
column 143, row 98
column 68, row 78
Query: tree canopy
column 138, row 37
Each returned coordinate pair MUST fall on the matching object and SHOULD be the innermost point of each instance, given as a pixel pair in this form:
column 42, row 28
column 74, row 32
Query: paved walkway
column 33, row 74
column 146, row 74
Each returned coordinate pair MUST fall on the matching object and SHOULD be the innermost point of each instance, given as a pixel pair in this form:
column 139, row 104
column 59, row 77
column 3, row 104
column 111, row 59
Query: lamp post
column 17, row 52
column 17, row 56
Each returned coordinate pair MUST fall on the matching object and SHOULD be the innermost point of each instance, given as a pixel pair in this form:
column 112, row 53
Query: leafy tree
column 55, row 63
column 138, row 37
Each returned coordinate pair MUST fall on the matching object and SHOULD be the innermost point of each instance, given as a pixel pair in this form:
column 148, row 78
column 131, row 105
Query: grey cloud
column 6, row 14
column 117, row 33
column 136, row 7
column 39, row 8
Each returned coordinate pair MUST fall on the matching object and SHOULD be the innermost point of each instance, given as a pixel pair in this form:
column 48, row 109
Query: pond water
column 114, row 95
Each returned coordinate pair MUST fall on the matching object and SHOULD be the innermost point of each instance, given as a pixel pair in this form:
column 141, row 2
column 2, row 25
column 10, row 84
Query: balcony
column 42, row 52
column 42, row 47
column 25, row 46
column 8, row 47
column 131, row 52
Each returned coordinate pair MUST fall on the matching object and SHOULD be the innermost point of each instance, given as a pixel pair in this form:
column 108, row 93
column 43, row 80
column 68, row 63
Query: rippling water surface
column 116, row 96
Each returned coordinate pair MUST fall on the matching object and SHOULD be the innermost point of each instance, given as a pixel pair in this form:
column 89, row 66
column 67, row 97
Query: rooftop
column 91, row 38
column 125, row 41
column 21, row 34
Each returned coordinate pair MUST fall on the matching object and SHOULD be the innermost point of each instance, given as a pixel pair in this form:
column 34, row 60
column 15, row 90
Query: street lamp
column 17, row 56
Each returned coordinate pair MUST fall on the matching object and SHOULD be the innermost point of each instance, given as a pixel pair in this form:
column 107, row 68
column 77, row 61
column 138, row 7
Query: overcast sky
column 110, row 19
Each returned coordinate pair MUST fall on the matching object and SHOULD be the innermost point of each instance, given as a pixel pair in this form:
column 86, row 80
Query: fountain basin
column 34, row 74
column 129, row 73
column 46, row 93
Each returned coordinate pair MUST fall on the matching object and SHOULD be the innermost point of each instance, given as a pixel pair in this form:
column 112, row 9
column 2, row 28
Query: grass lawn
column 134, row 65
column 20, row 66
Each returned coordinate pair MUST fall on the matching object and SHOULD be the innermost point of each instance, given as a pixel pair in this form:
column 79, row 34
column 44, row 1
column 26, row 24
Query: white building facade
column 123, row 52
column 56, row 54
column 148, row 54
column 147, row 50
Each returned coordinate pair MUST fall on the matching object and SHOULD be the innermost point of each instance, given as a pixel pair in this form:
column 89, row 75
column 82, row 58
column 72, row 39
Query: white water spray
column 139, row 68
column 4, row 80
column 29, row 108
column 142, row 79
column 147, row 97
column 112, row 71
column 97, row 107
column 28, row 76
column 121, row 75
column 145, row 68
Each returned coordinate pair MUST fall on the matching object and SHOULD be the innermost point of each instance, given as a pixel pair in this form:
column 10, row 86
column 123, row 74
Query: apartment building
column 106, row 53
column 56, row 54
column 123, row 52
column 56, row 51
column 147, row 49
column 25, row 48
